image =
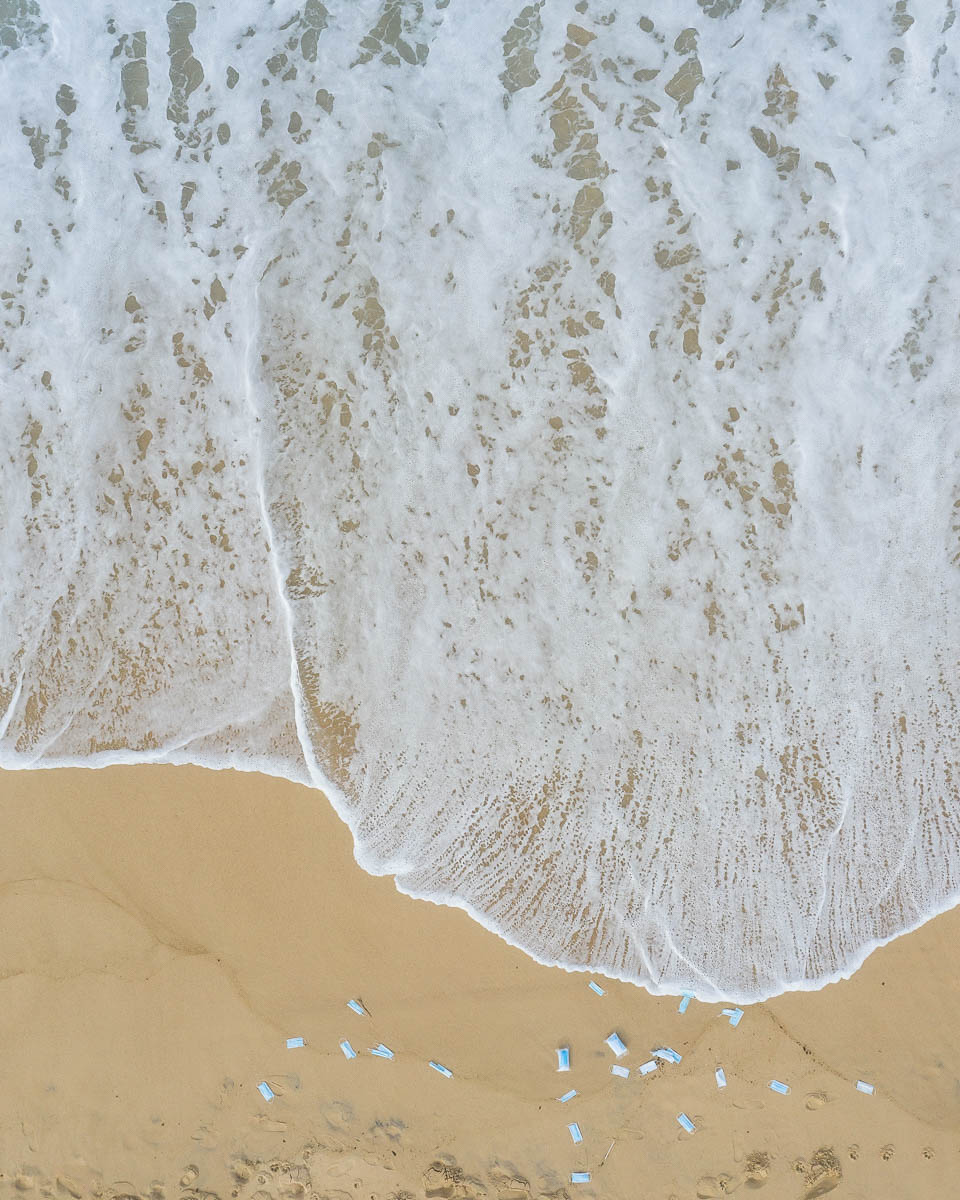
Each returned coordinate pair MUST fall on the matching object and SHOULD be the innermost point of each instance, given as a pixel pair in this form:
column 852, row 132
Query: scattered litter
column 293, row 1043
column 647, row 1067
column 567, row 1096
column 623, row 1072
column 734, row 1014
column 686, row 1122
column 684, row 1002
column 580, row 1177
column 348, row 1050
column 721, row 1078
column 575, row 1132
column 357, row 1007
column 595, row 987
column 266, row 1091
column 616, row 1045
column 866, row 1088
column 563, row 1058
column 381, row 1051
column 607, row 1155
column 668, row 1054
column 777, row 1086
column 443, row 1070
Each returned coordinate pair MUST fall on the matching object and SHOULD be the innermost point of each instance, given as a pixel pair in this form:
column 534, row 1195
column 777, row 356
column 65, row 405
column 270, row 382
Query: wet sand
column 164, row 930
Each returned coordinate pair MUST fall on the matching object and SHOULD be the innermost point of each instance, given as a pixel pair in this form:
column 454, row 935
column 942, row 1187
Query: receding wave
column 534, row 425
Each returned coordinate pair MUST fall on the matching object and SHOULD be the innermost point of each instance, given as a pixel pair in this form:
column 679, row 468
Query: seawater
column 534, row 425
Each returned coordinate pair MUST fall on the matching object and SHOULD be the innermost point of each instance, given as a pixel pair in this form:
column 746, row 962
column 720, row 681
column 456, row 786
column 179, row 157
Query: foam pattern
column 533, row 425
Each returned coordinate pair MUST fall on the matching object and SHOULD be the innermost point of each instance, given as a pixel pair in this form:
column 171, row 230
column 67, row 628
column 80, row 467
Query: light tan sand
column 164, row 930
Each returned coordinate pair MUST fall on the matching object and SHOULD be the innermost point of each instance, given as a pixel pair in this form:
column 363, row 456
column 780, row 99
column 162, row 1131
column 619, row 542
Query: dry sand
column 164, row 930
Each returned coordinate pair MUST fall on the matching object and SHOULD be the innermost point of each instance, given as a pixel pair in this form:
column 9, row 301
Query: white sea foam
column 536, row 426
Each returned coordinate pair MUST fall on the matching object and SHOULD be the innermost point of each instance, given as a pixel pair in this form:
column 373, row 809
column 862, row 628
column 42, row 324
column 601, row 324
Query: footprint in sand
column 242, row 1170
column 928, row 1152
column 337, row 1115
column 887, row 1153
column 755, row 1173
column 757, row 1168
column 449, row 1183
column 205, row 1137
column 441, row 1180
column 823, row 1174
column 189, row 1176
column 854, row 1152
column 516, row 1189
column 509, row 1185
column 268, row 1124
column 280, row 1084
column 711, row 1186
column 816, row 1100
column 391, row 1129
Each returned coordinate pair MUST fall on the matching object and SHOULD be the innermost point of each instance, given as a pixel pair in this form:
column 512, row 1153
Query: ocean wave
column 533, row 425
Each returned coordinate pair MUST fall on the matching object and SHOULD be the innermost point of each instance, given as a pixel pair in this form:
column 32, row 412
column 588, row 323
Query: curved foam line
column 338, row 803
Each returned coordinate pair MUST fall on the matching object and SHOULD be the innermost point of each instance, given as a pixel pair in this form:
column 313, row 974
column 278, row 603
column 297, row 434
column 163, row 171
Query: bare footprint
column 711, row 1186
column 391, row 1128
column 206, row 1137
column 823, row 1174
column 267, row 1124
column 757, row 1168
column 189, row 1176
column 509, row 1185
column 442, row 1180
column 242, row 1170
column 338, row 1115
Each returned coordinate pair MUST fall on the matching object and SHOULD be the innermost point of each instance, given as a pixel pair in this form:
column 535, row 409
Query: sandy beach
column 164, row 930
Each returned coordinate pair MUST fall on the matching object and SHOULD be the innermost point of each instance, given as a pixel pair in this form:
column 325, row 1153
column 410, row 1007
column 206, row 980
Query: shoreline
column 332, row 797
column 165, row 929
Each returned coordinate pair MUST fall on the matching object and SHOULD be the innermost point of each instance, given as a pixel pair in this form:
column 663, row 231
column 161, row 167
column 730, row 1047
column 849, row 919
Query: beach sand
column 164, row 930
